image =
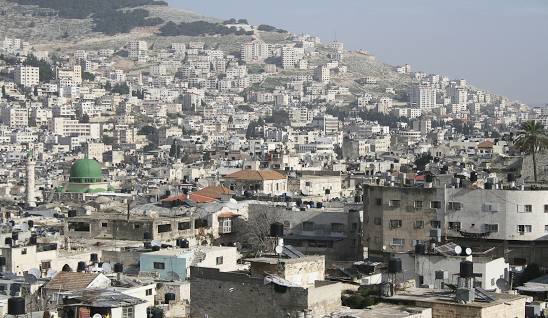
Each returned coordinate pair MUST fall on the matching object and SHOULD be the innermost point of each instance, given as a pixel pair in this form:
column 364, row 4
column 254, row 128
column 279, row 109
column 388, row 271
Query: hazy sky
column 498, row 45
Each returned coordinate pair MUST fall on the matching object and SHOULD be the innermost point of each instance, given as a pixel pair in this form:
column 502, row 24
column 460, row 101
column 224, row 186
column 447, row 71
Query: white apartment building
column 322, row 74
column 138, row 50
column 69, row 127
column 423, row 96
column 15, row 117
column 254, row 51
column 289, row 57
column 27, row 75
column 71, row 75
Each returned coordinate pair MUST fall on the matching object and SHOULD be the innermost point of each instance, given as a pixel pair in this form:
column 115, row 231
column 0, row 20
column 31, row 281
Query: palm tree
column 532, row 139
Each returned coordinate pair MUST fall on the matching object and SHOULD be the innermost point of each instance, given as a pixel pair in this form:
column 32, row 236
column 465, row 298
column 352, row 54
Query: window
column 395, row 224
column 394, row 203
column 308, row 226
column 377, row 221
column 435, row 224
column 454, row 226
column 419, row 224
column 354, row 226
column 162, row 228
column 493, row 228
column 148, row 292
column 225, row 225
column 398, row 242
column 546, row 228
column 219, row 260
column 417, row 204
column 128, row 312
column 308, row 184
column 136, row 226
column 24, row 251
column 378, row 201
column 104, row 224
column 525, row 229
column 435, row 204
column 528, row 208
column 490, row 207
column 159, row 265
column 337, row 227
column 184, row 226
column 546, row 208
column 455, row 206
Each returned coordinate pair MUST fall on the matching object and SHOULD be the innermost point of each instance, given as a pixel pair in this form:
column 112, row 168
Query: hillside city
column 276, row 175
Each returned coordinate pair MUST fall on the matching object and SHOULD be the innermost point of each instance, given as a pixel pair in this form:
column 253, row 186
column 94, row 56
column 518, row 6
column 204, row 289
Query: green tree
column 87, row 76
column 532, row 139
column 44, row 68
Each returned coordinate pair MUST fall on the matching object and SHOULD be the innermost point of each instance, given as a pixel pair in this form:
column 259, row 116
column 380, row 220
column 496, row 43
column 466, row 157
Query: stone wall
column 220, row 294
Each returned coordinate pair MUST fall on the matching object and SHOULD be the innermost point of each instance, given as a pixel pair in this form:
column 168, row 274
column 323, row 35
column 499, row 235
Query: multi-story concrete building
column 15, row 117
column 69, row 127
column 254, row 51
column 289, row 57
column 27, row 75
column 322, row 74
column 513, row 221
column 423, row 96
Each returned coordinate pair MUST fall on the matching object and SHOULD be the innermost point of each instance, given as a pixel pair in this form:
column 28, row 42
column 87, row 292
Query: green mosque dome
column 86, row 171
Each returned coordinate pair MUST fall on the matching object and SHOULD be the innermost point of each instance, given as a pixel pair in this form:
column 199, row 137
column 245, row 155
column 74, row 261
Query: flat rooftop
column 382, row 310
column 444, row 296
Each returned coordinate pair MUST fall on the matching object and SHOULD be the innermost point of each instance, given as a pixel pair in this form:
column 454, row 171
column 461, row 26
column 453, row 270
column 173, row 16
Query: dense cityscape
column 204, row 168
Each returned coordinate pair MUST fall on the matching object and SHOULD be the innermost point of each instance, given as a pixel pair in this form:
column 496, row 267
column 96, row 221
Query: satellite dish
column 173, row 276
column 156, row 243
column 279, row 249
column 458, row 250
column 51, row 273
column 30, row 279
column 468, row 251
column 503, row 284
column 97, row 316
column 107, row 268
column 35, row 272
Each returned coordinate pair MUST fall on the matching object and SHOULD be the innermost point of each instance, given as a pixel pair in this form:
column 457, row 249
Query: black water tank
column 2, row 261
column 420, row 249
column 394, row 265
column 185, row 244
column 156, row 248
column 147, row 245
column 30, row 223
column 319, row 205
column 118, row 268
column 327, row 191
column 93, row 257
column 511, row 177
column 277, row 229
column 147, row 236
column 71, row 213
column 33, row 239
column 8, row 241
column 169, row 297
column 473, row 176
column 81, row 266
column 428, row 178
column 15, row 236
column 466, row 269
column 488, row 186
column 16, row 306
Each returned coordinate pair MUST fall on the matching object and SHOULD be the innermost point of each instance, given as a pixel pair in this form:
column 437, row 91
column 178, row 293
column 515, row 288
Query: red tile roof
column 256, row 175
